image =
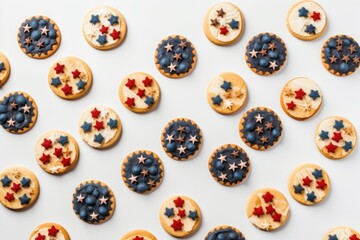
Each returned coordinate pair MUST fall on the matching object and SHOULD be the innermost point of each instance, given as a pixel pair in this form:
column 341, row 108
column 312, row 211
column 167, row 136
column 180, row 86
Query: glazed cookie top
column 39, row 37
column 49, row 231
column 4, row 69
column 260, row 128
column 342, row 233
column 93, row 202
column 18, row 112
column 175, row 56
column 225, row 232
column 142, row 171
column 335, row 137
column 229, row 165
column 265, row 53
column 341, row 55
column 138, row 235
column 181, row 139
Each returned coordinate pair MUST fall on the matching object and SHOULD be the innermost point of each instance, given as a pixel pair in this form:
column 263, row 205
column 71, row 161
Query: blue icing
column 86, row 126
column 24, row 199
column 112, row 123
column 25, row 182
column 81, row 84
column 6, row 181
column 98, row 138
column 324, row 135
column 101, row 39
column 311, row 196
column 303, row 12
column 149, row 101
column 317, row 173
column 2, row 66
column 298, row 189
column 94, row 19
column 226, row 85
column 169, row 212
column 314, row 94
column 227, row 233
column 193, row 215
column 113, row 20
column 216, row 100
column 347, row 146
column 55, row 81
column 234, row 24
column 333, row 237
column 310, row 29
column 339, row 124
column 63, row 140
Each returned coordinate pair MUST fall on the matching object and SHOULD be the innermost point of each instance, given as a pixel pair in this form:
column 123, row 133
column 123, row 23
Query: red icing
column 99, row 125
column 258, row 211
column 15, row 187
column 315, row 16
column 115, row 34
column 47, row 144
column 65, row 162
column 59, row 68
column 9, row 196
column 76, row 73
column 276, row 217
column 141, row 92
column 58, row 152
column 95, row 113
column 223, row 30
column 306, row 181
column 321, row 184
column 138, row 238
column 354, row 237
column 67, row 89
column 300, row 94
column 268, row 197
column 270, row 209
column 291, row 105
column 104, row 29
column 130, row 83
column 53, row 231
column 40, row 237
column 331, row 148
column 337, row 137
column 130, row 102
column 179, row 202
column 147, row 82
column 181, row 213
column 45, row 158
column 177, row 225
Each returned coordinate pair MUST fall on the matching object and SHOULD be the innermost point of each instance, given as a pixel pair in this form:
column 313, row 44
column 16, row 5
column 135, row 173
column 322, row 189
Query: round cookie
column 93, row 202
column 18, row 112
column 39, row 37
column 267, row 209
column 4, row 69
column 342, row 233
column 260, row 128
column 224, row 23
column 341, row 55
column 142, row 171
column 175, row 57
column 138, row 235
column 225, row 232
column 309, row 184
column 100, row 127
column 49, row 231
column 70, row 78
column 181, row 139
column 19, row 188
column 139, row 92
column 180, row 216
column 335, row 137
column 57, row 152
column 265, row 54
column 229, row 165
column 104, row 28
column 306, row 20
column 301, row 98
column 227, row 93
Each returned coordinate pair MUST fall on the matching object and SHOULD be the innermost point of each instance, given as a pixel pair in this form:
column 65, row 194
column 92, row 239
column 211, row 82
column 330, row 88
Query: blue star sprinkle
column 63, row 140
column 226, row 85
column 339, row 125
column 25, row 182
column 98, row 138
column 101, row 39
column 113, row 20
column 298, row 189
column 169, row 212
column 6, row 181
column 94, row 19
column 347, row 146
column 333, row 237
column 310, row 29
column 149, row 101
column 55, row 81
column 86, row 127
column 217, row 100
column 193, row 215
column 2, row 67
column 324, row 135
column 303, row 12
column 112, row 123
column 81, row 84
column 311, row 196
column 314, row 94
column 24, row 199
column 234, row 24
column 317, row 173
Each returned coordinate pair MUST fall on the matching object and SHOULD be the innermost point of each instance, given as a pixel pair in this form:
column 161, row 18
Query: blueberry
column 148, row 162
column 187, row 129
column 266, row 38
column 221, row 236
column 3, row 108
column 346, row 42
column 35, row 35
column 19, row 117
column 90, row 200
column 136, row 170
column 82, row 214
column 275, row 133
column 46, row 41
column 219, row 165
column 265, row 46
column 185, row 55
column 103, row 210
column 43, row 22
column 233, row 235
column 249, row 126
column 282, row 57
column 273, row 54
column 90, row 208
column 178, row 50
column 171, row 147
column 191, row 146
column 250, row 137
column 153, row 170
column 52, row 34
column 183, row 67
column 264, row 62
column 96, row 193
column 142, row 187
column 30, row 48
column 3, row 118
column 257, row 46
column 332, row 43
column 238, row 175
column 90, row 189
column 20, row 99
column 34, row 24
column 104, row 191
column 344, row 67
column 164, row 62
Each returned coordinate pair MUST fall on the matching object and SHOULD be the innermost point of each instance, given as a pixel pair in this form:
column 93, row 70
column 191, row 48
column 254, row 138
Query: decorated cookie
column 100, row 127
column 229, row 165
column 49, row 231
column 138, row 235
column 104, row 28
column 93, row 202
column 70, row 78
column 341, row 55
column 39, row 37
column 227, row 93
column 306, row 20
column 142, row 171
column 223, row 23
column 225, row 232
column 139, row 92
column 309, row 184
column 265, row 54
column 4, row 69
column 342, row 233
column 260, row 128
column 180, row 216
column 175, row 57
column 19, row 188
column 57, row 152
column 18, row 112
column 267, row 209
column 335, row 137
column 301, row 98
column 181, row 139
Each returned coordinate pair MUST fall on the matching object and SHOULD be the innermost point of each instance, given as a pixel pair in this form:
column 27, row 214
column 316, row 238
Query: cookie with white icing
column 138, row 235
column 267, row 209
column 70, row 78
column 301, row 98
column 224, row 23
column 104, row 27
column 100, row 127
column 139, row 92
column 335, row 137
column 225, row 232
column 4, row 69
column 342, row 233
column 57, row 152
column 309, row 184
column 227, row 93
column 51, row 231
column 19, row 188
column 306, row 20
column 180, row 216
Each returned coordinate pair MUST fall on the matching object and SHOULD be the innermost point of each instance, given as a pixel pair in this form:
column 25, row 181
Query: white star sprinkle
column 172, row 67
column 273, row 65
column 193, row 139
column 222, row 158
column 228, row 104
column 103, row 200
column 145, row 172
column 133, row 178
column 26, row 108
column 168, row 47
column 94, row 216
column 222, row 176
column 11, row 122
column 253, row 53
column 242, row 164
column 259, row 118
column 26, row 28
column 233, row 167
column 44, row 30
column 181, row 149
column 141, row 159
column 54, row 169
column 169, row 138
column 13, row 105
column 80, row 198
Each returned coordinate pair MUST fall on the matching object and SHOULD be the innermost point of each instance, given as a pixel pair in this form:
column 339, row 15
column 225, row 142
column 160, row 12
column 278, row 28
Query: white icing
column 44, row 231
column 320, row 194
column 342, row 233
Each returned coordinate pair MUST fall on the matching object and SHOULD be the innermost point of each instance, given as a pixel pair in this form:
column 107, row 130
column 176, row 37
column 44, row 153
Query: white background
column 148, row 23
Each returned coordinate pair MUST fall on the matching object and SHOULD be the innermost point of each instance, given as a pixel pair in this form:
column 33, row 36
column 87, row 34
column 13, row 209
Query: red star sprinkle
column 130, row 83
column 58, row 152
column 65, row 162
column 306, row 181
column 115, row 34
column 223, row 30
column 45, row 158
column 130, row 102
column 177, row 225
column 141, row 92
column 268, row 197
column 179, row 202
column 53, row 231
column 59, row 68
column 337, row 137
column 331, row 148
column 95, row 113
column 47, row 144
column 276, row 217
column 147, row 82
column 269, row 209
column 15, row 187
column 104, row 29
column 9, row 196
column 67, row 89
column 354, row 237
column 181, row 213
column 138, row 238
column 315, row 16
column 99, row 125
column 258, row 211
column 321, row 184
column 40, row 237
column 291, row 105
column 300, row 94
column 76, row 73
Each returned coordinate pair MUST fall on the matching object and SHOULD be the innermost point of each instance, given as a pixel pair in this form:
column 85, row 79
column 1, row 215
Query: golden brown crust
column 352, row 231
column 49, row 225
column 4, row 75
column 139, row 232
column 225, row 227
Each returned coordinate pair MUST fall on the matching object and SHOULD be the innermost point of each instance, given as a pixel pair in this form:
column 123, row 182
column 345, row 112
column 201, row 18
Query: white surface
column 149, row 22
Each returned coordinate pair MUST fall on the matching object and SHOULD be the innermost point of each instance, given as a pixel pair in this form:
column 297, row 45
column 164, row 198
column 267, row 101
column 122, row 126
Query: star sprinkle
column 45, row 158
column 291, row 105
column 223, row 30
column 253, row 53
column 276, row 217
column 28, row 41
column 268, row 197
column 234, row 24
column 53, row 231
column 352, row 48
column 81, row 84
column 181, row 213
column 311, row 196
column 220, row 13
column 300, row 94
column 57, row 152
column 345, row 58
column 333, row 237
column 94, row 216
column 337, row 136
column 26, row 28
column 272, row 46
column 115, row 34
column 26, row 108
column 317, row 173
column 103, row 200
column 67, row 89
column 13, row 105
column 169, row 212
column 310, row 29
column 258, row 211
column 179, row 202
column 40, row 44
column 193, row 215
column 235, row 154
column 356, row 60
column 177, row 56
column 259, row 118
column 339, row 124
column 269, row 209
column 181, row 149
column 217, row 100
column 181, row 129
column 263, row 52
column 177, row 225
column 226, row 85
column 169, row 138
column 113, row 20
column 94, row 19
column 193, row 139
column 273, row 65
column 147, row 82
column 130, row 102
column 9, row 196
column 16, row 187
column 306, row 181
column 59, row 68
column 86, row 127
column 99, row 125
column 98, row 138
column 6, row 181
column 46, row 143
column 144, row 172
column 66, row 162
column 76, row 73
column 354, row 237
column 25, row 182
column 264, row 139
column 222, row 176
column 172, row 67
column 112, row 123
column 324, row 135
column 347, row 146
column 315, row 16
column 331, row 148
column 168, row 47
column 11, row 122
column 298, row 189
column 214, row 22
column 130, row 83
column 314, row 94
column 101, row 39
column 333, row 59
column 80, row 198
column 321, row 184
column 242, row 164
column 149, row 101
column 44, row 31
column 232, row 167
column 138, row 238
column 182, row 44
column 303, row 12
column 104, row 29
column 24, row 199
column 141, row 159
column 222, row 158
column 269, row 125
column 40, row 237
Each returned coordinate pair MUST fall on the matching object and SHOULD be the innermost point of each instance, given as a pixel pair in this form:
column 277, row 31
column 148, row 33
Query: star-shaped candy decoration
column 311, row 196
column 55, row 81
column 234, row 24
column 113, row 20
column 6, row 181
column 101, row 39
column 217, row 100
column 94, row 19
column 314, row 94
column 298, row 189
column 169, row 212
column 226, row 85
column 86, row 126
column 303, row 12
column 310, row 29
